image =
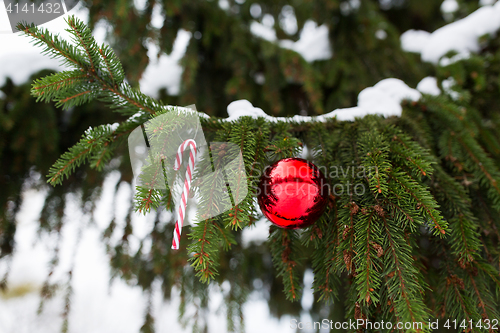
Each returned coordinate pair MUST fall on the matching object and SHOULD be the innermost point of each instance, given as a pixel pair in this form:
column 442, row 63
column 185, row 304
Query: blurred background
column 77, row 258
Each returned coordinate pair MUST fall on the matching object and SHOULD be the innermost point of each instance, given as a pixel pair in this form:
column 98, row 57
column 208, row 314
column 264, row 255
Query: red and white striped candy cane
column 181, row 210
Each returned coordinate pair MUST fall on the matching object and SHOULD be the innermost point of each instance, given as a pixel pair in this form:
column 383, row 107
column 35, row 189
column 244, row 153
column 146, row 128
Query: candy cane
column 181, row 210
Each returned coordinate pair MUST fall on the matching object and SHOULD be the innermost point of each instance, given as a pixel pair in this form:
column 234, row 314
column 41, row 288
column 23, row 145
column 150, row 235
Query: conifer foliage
column 420, row 241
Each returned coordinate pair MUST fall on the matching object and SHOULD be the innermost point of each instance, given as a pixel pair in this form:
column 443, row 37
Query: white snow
column 268, row 20
column 486, row 2
column 307, row 300
column 113, row 126
column 255, row 10
column 449, row 6
column 445, row 61
column 224, row 4
column 256, row 307
column 312, row 45
column 460, row 36
column 140, row 5
column 157, row 16
column 257, row 233
column 448, row 88
column 384, row 98
column 381, row 34
column 165, row 71
column 428, row 85
column 263, row 31
column 288, row 21
column 414, row 40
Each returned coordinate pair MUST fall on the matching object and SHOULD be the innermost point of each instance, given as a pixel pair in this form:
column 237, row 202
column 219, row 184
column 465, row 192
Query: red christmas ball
column 293, row 193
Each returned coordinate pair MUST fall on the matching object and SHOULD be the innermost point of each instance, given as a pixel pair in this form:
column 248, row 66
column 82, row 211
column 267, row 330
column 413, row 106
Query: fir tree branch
column 121, row 96
column 422, row 198
column 283, row 250
column 406, row 294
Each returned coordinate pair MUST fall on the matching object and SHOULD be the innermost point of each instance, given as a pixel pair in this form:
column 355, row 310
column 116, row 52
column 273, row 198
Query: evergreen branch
column 129, row 100
column 347, row 214
column 85, row 39
column 68, row 161
column 283, row 250
column 455, row 206
column 375, row 156
column 481, row 302
column 122, row 96
column 406, row 294
column 113, row 66
column 91, row 142
column 51, row 87
column 75, row 96
column 422, row 198
column 206, row 239
column 324, row 235
column 241, row 135
column 367, row 258
column 486, row 167
column 54, row 47
column 411, row 154
column 227, row 237
column 456, row 302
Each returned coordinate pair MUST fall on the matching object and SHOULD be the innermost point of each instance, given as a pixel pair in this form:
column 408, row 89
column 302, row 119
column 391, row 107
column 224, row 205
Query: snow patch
column 460, row 36
column 445, row 61
column 262, row 31
column 448, row 85
column 256, row 234
column 384, row 99
column 157, row 16
column 165, row 71
column 288, row 21
column 224, row 4
column 486, row 2
column 449, row 6
column 307, row 300
column 381, row 34
column 312, row 45
column 113, row 126
column 428, row 85
column 414, row 40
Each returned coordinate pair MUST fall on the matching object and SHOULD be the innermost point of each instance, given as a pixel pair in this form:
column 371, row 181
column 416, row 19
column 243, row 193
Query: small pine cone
column 380, row 250
column 380, row 211
column 354, row 208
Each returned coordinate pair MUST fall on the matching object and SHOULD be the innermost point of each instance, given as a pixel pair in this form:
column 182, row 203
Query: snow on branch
column 461, row 36
column 384, row 98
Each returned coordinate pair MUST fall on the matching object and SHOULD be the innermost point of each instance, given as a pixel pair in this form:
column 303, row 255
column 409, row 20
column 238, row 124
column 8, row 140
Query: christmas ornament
column 181, row 210
column 293, row 193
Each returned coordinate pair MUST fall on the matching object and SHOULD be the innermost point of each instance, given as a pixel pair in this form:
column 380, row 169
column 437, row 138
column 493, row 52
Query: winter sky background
column 97, row 305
